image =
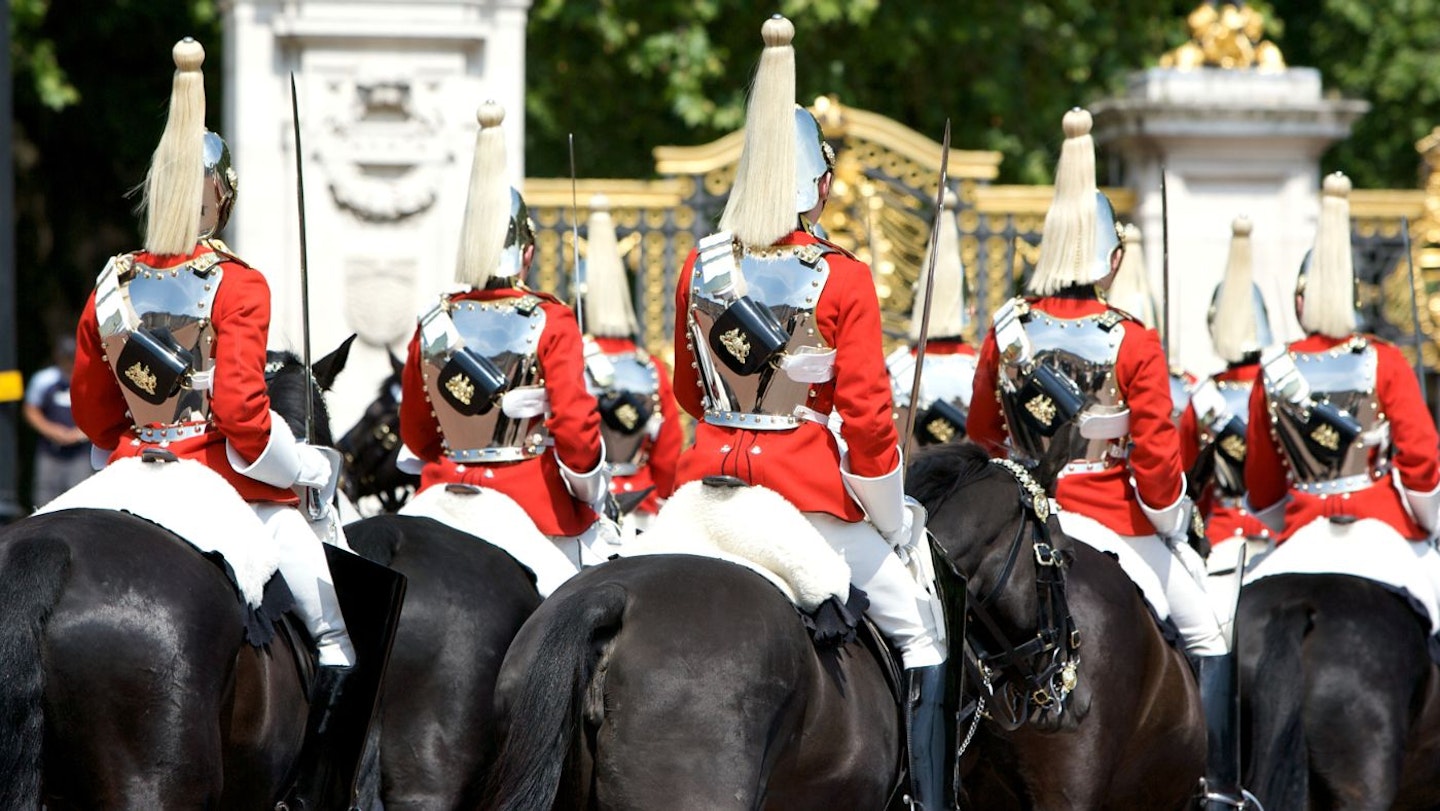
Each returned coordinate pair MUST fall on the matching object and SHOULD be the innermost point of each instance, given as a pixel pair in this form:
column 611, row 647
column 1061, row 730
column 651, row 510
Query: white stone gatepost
column 1242, row 139
column 387, row 91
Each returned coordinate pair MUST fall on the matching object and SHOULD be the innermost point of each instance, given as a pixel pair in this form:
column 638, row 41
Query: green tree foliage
column 628, row 75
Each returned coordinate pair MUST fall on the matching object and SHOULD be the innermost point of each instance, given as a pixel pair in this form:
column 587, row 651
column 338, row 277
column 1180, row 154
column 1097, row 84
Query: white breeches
column 899, row 606
column 302, row 561
column 592, row 547
column 1168, row 576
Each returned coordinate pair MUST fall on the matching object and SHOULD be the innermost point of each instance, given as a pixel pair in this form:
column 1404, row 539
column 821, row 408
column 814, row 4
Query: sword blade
column 1416, row 334
column 304, row 268
column 929, row 290
column 1165, row 266
column 579, row 281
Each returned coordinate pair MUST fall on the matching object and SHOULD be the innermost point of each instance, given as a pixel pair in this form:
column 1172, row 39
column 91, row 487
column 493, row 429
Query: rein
column 1027, row 680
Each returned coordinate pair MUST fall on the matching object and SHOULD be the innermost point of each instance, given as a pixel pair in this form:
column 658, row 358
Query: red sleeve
column 687, row 378
column 862, row 384
column 96, row 402
column 574, row 415
column 240, row 402
column 665, row 452
column 1412, row 431
column 1189, row 436
column 418, row 428
column 1265, row 481
column 986, row 423
column 1144, row 382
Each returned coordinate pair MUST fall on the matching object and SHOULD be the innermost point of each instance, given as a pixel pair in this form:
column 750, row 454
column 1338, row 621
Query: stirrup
column 1245, row 802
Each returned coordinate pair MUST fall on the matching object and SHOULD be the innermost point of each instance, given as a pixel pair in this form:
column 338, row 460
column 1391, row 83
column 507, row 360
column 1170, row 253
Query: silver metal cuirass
column 788, row 280
column 505, row 332
column 180, row 300
column 1084, row 350
column 945, row 377
column 627, row 451
column 1345, row 378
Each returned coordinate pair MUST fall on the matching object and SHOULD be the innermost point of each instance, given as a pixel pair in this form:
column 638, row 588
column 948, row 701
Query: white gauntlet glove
column 1172, row 522
column 319, row 473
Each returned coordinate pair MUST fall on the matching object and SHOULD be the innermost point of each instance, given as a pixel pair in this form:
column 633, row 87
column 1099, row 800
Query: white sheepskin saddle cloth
column 190, row 500
column 755, row 528
column 497, row 519
column 1367, row 548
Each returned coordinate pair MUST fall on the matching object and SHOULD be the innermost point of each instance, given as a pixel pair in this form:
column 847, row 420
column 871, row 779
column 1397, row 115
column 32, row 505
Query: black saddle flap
column 469, row 382
column 626, row 411
column 746, row 336
column 153, row 365
column 1049, row 399
column 942, row 422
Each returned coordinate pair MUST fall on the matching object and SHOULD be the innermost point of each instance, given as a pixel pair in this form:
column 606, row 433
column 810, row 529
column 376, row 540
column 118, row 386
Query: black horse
column 372, row 446
column 1340, row 696
column 465, row 601
column 673, row 681
column 1131, row 733
column 128, row 681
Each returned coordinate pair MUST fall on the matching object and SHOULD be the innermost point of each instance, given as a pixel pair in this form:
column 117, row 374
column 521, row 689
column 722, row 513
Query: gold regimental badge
column 1234, row 447
column 940, row 429
column 627, row 415
column 1042, row 408
column 1326, row 437
column 461, row 388
column 736, row 344
column 140, row 375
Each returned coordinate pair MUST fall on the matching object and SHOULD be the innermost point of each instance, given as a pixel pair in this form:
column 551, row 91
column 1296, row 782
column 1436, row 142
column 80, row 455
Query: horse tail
column 544, row 713
column 30, row 585
column 1279, row 764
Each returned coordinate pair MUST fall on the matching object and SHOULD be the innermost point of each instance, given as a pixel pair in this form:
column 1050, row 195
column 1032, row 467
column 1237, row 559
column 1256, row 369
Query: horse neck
column 1013, row 604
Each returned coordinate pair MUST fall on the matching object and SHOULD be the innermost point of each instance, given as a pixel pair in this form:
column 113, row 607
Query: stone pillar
column 1230, row 142
column 387, row 97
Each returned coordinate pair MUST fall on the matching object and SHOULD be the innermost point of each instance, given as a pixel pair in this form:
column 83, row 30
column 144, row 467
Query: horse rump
column 31, row 579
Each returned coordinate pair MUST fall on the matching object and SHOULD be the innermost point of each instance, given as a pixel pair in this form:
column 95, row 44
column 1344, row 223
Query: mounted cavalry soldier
column 170, row 361
column 777, row 327
column 949, row 358
column 1342, row 463
column 1062, row 364
column 494, row 400
column 1213, row 427
column 638, row 416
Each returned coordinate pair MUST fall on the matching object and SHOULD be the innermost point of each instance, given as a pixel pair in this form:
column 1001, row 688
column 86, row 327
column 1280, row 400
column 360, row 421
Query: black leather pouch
column 1049, row 399
column 746, row 336
column 942, row 422
column 626, row 411
column 153, row 365
column 470, row 383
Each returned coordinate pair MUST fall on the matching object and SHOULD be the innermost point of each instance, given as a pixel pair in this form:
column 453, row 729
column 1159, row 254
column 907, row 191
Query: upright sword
column 1414, row 310
column 929, row 290
column 304, row 269
column 579, row 280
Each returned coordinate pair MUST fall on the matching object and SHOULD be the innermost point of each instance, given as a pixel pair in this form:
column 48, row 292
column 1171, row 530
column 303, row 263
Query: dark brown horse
column 465, row 601
column 673, row 681
column 128, row 681
column 1340, row 696
column 371, row 448
column 1131, row 734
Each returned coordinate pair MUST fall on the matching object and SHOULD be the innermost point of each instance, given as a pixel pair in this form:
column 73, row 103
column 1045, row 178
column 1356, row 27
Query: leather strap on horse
column 1038, row 674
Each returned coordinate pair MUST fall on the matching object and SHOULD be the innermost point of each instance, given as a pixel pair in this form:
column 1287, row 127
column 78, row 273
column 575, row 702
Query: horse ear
column 397, row 366
column 329, row 367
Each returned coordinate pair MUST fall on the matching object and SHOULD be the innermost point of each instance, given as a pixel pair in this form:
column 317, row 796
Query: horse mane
column 940, row 470
column 285, row 377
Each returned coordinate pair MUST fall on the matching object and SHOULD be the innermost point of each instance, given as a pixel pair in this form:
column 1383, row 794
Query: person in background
column 62, row 454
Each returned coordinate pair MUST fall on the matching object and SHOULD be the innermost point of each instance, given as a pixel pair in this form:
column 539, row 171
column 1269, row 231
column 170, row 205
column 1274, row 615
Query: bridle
column 370, row 450
column 1025, row 681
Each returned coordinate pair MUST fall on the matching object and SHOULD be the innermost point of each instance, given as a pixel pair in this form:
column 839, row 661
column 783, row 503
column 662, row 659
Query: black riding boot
column 329, row 756
column 1221, row 704
column 925, row 737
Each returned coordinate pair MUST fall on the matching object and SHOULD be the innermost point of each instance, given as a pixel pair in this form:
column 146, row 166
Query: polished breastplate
column 504, row 334
column 1079, row 354
column 628, row 392
column 1324, row 411
column 1222, row 414
column 786, row 280
column 167, row 386
column 946, row 381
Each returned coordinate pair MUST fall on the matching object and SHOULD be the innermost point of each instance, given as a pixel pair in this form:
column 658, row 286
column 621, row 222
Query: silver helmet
column 519, row 236
column 221, row 186
column 813, row 158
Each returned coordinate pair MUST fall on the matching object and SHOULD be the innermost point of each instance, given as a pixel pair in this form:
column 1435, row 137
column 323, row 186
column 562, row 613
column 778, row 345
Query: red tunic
column 1144, row 383
column 1412, row 436
column 239, row 402
column 1224, row 518
column 574, row 424
column 664, row 449
column 803, row 463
